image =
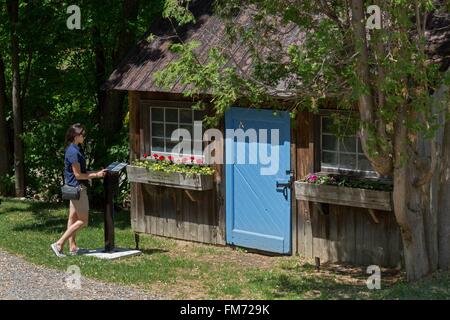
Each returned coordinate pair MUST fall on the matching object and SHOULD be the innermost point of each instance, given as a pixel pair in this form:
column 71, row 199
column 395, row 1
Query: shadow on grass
column 35, row 208
column 48, row 218
column 288, row 286
column 315, row 287
column 153, row 251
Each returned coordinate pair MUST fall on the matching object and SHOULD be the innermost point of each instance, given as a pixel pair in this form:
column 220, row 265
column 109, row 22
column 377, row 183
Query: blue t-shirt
column 73, row 155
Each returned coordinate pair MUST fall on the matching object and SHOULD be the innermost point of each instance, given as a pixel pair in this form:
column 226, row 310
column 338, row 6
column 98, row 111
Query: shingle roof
column 438, row 38
column 136, row 72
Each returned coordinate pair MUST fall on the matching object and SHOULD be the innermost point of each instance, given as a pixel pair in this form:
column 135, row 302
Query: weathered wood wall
column 347, row 234
column 169, row 212
column 342, row 234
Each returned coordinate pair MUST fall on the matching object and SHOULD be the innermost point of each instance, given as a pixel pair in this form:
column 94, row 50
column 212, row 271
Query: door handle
column 287, row 184
column 284, row 184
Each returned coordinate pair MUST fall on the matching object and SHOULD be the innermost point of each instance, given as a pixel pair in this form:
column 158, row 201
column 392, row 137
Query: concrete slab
column 116, row 254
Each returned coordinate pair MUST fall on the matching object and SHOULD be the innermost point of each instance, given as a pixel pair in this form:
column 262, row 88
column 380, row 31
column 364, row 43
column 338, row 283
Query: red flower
column 312, row 178
column 155, row 155
column 161, row 158
column 145, row 155
column 192, row 158
column 170, row 158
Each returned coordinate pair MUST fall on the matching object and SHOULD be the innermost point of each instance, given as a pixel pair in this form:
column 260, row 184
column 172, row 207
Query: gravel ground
column 21, row 280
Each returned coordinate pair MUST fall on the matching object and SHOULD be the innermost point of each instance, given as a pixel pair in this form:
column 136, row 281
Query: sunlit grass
column 191, row 271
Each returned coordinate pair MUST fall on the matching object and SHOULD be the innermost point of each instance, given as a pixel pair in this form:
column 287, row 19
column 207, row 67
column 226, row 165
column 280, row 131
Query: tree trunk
column 13, row 10
column 4, row 140
column 430, row 222
column 100, row 70
column 112, row 109
column 378, row 157
column 411, row 193
column 444, row 202
column 408, row 205
column 439, row 188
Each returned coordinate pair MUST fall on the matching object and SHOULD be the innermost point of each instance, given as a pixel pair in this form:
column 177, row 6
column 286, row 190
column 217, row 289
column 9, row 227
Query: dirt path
column 21, row 280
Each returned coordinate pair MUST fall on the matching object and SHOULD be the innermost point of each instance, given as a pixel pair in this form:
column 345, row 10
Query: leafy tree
column 386, row 74
column 61, row 72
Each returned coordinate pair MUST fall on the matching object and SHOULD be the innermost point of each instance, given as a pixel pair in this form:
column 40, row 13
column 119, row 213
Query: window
column 342, row 153
column 165, row 120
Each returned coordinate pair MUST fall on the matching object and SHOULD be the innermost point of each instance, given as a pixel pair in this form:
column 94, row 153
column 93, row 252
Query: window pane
column 169, row 129
column 327, row 124
column 364, row 163
column 347, row 144
column 344, row 152
column 188, row 150
column 157, row 114
column 188, row 128
column 158, row 145
column 157, row 130
column 198, row 144
column 170, row 145
column 329, row 159
column 329, row 142
column 186, row 116
column 347, row 161
column 172, row 115
column 360, row 149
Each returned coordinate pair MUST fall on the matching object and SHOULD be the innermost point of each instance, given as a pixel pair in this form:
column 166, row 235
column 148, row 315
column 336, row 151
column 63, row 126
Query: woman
column 75, row 175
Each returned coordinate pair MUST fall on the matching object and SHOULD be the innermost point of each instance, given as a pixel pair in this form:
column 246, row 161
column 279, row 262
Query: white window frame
column 178, row 124
column 357, row 153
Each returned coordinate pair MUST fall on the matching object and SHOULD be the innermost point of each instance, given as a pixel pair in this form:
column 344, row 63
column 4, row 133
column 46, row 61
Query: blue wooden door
column 258, row 212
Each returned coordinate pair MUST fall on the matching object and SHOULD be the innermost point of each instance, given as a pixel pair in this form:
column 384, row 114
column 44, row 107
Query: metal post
column 136, row 240
column 317, row 264
column 108, row 184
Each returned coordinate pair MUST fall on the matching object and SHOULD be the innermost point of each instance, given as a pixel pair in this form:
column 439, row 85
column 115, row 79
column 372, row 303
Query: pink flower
column 199, row 161
column 312, row 178
column 170, row 158
column 184, row 160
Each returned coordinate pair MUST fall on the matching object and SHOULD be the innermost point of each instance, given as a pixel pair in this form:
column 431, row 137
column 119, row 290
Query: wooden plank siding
column 305, row 164
column 342, row 234
column 337, row 234
column 166, row 211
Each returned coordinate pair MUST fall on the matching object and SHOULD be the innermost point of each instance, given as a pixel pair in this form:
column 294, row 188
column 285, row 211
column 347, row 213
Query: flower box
column 345, row 196
column 173, row 179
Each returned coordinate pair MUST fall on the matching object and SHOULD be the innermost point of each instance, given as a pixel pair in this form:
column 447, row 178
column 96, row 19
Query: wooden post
column 294, row 214
column 220, row 194
column 109, row 183
column 134, row 136
column 134, row 121
column 305, row 165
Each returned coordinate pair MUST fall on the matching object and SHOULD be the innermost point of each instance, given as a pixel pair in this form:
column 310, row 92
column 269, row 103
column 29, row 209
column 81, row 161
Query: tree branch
column 378, row 157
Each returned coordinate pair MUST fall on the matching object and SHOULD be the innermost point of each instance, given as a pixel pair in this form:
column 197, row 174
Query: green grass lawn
column 183, row 270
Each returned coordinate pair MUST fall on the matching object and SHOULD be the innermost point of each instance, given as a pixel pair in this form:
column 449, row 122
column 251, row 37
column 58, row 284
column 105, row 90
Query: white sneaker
column 78, row 251
column 58, row 253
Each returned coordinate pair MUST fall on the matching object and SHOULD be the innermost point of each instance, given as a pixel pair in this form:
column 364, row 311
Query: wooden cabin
column 243, row 207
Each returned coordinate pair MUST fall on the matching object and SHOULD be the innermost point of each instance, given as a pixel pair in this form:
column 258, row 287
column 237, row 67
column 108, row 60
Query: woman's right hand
column 101, row 173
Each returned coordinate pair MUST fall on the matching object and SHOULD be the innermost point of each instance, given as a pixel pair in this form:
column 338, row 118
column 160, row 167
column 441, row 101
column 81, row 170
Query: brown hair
column 73, row 131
